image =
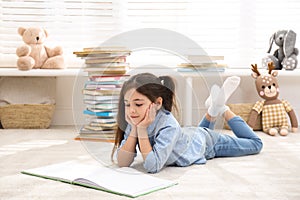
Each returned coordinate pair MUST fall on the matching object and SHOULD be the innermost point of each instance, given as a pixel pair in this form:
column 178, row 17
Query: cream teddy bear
column 34, row 54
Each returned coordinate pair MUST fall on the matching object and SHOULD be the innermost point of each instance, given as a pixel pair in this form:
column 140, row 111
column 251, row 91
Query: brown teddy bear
column 34, row 54
column 274, row 111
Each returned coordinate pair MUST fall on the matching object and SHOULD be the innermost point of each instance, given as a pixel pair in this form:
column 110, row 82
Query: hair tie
column 162, row 82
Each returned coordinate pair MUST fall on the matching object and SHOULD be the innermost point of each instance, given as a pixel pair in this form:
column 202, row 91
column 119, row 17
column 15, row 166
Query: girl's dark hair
column 152, row 87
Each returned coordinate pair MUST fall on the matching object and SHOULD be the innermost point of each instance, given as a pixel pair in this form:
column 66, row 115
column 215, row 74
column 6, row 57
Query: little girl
column 145, row 120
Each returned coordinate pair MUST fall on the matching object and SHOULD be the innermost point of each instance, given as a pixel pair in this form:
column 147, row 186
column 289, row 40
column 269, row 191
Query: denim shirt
column 172, row 144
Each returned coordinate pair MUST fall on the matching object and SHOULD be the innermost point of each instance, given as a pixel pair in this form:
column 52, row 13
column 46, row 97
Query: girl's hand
column 133, row 126
column 128, row 120
column 149, row 116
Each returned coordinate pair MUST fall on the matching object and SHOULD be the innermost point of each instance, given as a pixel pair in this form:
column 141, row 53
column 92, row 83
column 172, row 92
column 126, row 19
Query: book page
column 126, row 181
column 67, row 171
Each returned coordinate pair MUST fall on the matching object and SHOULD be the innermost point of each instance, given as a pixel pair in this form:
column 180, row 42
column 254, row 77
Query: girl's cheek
column 143, row 113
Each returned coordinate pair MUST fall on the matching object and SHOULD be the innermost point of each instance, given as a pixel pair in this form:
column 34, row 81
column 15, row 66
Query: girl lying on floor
column 145, row 119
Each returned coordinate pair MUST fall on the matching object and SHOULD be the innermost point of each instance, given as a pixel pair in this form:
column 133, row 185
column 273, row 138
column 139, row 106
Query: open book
column 123, row 181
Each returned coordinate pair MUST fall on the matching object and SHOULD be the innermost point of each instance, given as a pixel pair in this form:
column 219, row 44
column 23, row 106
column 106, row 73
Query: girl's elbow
column 152, row 171
column 152, row 168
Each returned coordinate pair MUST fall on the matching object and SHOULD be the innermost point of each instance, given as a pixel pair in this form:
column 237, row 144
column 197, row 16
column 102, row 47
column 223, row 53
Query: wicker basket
column 243, row 110
column 26, row 116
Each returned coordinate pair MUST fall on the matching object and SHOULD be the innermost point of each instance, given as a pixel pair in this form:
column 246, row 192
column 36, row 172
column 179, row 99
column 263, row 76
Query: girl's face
column 136, row 105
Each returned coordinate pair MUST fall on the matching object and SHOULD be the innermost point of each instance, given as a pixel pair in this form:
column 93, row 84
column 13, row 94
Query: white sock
column 229, row 86
column 223, row 109
column 217, row 101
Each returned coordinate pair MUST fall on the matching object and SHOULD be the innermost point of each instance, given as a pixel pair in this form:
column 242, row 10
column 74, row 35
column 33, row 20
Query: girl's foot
column 228, row 87
column 217, row 105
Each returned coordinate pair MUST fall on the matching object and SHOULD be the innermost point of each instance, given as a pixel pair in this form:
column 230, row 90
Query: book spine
column 107, row 68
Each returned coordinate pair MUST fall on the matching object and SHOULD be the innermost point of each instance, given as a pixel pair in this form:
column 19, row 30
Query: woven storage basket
column 243, row 110
column 26, row 116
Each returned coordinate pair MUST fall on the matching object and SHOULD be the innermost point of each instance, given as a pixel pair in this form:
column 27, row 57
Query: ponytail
column 169, row 92
column 168, row 82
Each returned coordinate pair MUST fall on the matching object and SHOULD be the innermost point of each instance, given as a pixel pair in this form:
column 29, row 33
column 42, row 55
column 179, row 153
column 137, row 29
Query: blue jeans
column 246, row 141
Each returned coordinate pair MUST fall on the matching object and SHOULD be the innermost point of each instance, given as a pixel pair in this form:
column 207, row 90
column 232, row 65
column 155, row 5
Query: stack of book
column 106, row 68
column 202, row 63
